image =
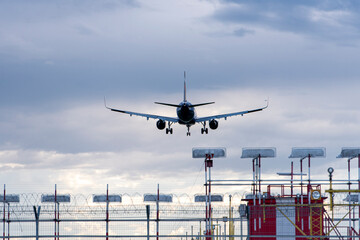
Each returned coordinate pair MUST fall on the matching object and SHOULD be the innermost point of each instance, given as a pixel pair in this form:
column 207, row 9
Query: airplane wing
column 226, row 115
column 169, row 119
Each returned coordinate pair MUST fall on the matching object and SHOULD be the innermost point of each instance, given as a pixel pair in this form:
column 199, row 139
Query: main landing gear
column 169, row 129
column 204, row 129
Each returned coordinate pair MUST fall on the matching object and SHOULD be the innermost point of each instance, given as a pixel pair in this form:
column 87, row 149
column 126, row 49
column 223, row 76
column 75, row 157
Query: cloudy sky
column 58, row 59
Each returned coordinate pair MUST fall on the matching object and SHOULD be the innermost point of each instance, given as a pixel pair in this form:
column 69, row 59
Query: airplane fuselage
column 186, row 113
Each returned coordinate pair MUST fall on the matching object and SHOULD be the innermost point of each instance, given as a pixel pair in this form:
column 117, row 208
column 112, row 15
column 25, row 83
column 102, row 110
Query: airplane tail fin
column 177, row 105
column 185, row 86
column 193, row 105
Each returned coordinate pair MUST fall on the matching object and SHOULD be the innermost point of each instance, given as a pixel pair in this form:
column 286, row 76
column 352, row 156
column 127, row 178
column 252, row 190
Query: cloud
column 57, row 67
column 241, row 32
column 325, row 20
column 84, row 141
column 85, row 30
column 40, row 30
column 40, row 10
column 49, row 60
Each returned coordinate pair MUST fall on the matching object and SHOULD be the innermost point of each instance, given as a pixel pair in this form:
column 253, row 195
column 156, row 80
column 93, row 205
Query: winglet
column 267, row 102
column 105, row 103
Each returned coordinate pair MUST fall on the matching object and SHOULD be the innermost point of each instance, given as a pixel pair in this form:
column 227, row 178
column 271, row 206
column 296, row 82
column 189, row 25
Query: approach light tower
column 208, row 154
column 256, row 154
column 352, row 153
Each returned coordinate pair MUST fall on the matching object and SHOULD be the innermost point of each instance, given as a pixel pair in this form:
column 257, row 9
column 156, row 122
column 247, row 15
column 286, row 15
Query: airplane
column 186, row 115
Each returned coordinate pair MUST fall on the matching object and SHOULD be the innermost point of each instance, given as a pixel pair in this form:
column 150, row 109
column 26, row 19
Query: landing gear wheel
column 204, row 130
column 188, row 134
column 169, row 129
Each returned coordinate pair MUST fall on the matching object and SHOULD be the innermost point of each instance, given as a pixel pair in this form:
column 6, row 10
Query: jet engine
column 213, row 124
column 160, row 124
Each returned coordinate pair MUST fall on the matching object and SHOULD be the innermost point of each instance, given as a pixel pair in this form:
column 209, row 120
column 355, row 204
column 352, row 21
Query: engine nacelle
column 213, row 124
column 160, row 124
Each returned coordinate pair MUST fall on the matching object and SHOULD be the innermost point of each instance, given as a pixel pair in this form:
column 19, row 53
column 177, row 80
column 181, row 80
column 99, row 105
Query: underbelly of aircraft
column 191, row 122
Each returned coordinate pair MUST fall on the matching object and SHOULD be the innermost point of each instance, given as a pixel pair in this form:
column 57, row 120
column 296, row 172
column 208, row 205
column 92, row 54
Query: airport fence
column 82, row 218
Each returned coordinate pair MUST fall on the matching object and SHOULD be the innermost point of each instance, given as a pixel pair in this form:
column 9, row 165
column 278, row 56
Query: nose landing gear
column 188, row 132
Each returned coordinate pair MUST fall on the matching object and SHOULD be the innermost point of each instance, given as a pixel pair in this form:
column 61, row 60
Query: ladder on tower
column 316, row 221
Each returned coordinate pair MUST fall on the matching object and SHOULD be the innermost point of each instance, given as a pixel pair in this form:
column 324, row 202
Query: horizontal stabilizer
column 201, row 104
column 168, row 104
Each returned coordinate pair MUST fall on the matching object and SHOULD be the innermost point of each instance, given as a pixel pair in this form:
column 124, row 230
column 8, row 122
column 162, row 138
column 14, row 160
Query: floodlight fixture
column 352, row 198
column 297, row 152
column 330, row 170
column 11, row 198
column 59, row 198
column 154, row 197
column 110, row 198
column 242, row 210
column 315, row 194
column 214, row 198
column 349, row 152
column 256, row 152
column 204, row 152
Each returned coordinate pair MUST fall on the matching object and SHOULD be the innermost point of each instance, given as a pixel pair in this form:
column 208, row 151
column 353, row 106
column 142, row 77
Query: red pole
column 359, row 186
column 4, row 214
column 301, row 177
column 210, row 165
column 206, row 196
column 253, row 176
column 58, row 222
column 55, row 214
column 349, row 197
column 157, row 213
column 209, row 218
column 8, row 221
column 309, row 185
column 107, row 211
column 309, row 168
